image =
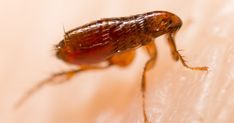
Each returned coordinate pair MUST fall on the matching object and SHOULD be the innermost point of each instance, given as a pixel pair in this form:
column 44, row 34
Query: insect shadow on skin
column 115, row 41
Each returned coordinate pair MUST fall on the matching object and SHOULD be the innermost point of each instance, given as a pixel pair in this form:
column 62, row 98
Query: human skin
column 30, row 29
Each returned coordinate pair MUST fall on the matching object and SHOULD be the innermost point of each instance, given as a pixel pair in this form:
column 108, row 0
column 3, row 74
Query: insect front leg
column 152, row 51
column 56, row 78
column 177, row 56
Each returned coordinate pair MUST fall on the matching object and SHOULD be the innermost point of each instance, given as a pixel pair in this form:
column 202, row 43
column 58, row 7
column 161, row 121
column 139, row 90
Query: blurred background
column 30, row 29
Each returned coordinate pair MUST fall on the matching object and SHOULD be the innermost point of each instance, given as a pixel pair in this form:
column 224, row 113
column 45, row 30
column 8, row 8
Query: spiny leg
column 56, row 79
column 152, row 51
column 176, row 55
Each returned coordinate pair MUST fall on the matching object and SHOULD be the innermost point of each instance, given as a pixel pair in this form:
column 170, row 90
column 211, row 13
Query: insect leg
column 56, row 79
column 123, row 59
column 176, row 55
column 152, row 51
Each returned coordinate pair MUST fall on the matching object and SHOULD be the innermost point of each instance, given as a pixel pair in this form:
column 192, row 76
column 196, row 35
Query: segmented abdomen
column 100, row 40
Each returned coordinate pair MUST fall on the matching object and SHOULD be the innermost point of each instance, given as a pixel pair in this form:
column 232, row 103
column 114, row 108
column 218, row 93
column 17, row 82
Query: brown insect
column 114, row 41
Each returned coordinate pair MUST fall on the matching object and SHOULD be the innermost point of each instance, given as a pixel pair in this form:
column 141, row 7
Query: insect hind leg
column 56, row 78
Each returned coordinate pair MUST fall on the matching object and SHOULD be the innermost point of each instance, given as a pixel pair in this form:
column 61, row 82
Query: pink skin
column 174, row 92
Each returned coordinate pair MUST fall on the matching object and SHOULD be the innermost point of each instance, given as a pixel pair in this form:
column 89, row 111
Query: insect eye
column 170, row 21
